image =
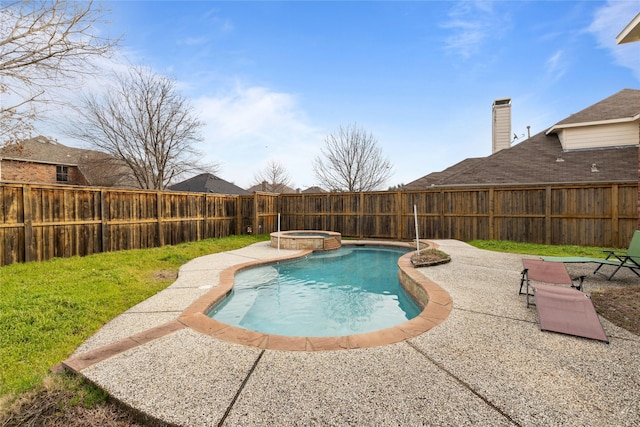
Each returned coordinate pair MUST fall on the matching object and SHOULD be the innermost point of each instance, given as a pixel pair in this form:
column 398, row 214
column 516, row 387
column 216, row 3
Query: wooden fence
column 40, row 222
column 589, row 215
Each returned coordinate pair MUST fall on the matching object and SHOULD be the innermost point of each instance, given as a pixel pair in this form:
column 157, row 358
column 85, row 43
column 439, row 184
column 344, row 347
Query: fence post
column 302, row 211
column 28, row 223
column 104, row 218
column 492, row 209
column 328, row 219
column 361, row 215
column 238, row 216
column 399, row 210
column 615, row 217
column 204, row 216
column 159, row 215
column 442, row 224
column 255, row 213
column 547, row 216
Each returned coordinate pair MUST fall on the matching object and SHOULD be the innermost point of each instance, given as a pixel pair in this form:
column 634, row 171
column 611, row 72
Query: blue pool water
column 348, row 291
column 307, row 234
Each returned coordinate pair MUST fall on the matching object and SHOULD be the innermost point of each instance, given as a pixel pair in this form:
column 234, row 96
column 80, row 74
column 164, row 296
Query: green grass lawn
column 541, row 250
column 49, row 308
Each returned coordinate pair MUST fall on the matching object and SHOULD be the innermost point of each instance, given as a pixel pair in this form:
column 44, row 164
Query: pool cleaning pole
column 415, row 219
column 278, row 231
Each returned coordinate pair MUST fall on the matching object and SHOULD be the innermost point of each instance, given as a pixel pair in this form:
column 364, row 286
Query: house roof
column 314, row 189
column 208, row 183
column 541, row 159
column 619, row 107
column 459, row 167
column 266, row 187
column 43, row 150
column 98, row 168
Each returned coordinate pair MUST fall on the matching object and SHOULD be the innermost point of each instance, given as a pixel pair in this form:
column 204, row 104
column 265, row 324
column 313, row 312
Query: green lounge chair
column 630, row 259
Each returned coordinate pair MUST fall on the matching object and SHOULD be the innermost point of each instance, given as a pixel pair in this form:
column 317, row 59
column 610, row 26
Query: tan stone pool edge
column 436, row 303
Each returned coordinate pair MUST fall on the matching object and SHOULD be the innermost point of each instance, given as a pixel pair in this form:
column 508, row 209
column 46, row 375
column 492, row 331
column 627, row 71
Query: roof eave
column 42, row 162
column 630, row 33
column 555, row 128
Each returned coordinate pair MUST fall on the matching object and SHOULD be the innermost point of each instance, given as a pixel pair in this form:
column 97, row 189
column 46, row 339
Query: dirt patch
column 620, row 306
column 59, row 408
column 165, row 275
column 617, row 300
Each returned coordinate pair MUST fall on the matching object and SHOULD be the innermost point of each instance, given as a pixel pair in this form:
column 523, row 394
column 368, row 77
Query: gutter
column 525, row 184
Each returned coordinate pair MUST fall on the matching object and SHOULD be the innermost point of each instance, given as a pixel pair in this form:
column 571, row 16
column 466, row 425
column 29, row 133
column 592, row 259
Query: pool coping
column 436, row 309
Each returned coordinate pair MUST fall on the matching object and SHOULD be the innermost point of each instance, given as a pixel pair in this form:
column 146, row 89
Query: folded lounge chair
column 630, row 259
column 560, row 309
column 547, row 272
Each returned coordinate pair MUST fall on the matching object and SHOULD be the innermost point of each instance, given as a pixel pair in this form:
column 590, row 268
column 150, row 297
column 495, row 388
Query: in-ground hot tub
column 316, row 240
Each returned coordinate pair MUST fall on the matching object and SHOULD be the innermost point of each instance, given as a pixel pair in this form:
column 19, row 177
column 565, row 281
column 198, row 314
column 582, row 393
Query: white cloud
column 192, row 41
column 471, row 25
column 248, row 126
column 556, row 66
column 607, row 23
column 214, row 25
column 222, row 25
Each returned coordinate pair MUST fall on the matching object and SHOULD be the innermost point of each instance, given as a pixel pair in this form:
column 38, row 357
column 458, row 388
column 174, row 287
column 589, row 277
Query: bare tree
column 142, row 120
column 398, row 187
column 352, row 161
column 275, row 176
column 41, row 43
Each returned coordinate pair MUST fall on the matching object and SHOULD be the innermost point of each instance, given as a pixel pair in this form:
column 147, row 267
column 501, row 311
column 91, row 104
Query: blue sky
column 272, row 79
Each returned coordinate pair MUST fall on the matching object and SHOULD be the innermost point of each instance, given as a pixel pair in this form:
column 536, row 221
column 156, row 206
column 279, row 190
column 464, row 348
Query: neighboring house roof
column 98, row 168
column 314, row 189
column 286, row 190
column 266, row 187
column 208, row 183
column 42, row 150
column 542, row 160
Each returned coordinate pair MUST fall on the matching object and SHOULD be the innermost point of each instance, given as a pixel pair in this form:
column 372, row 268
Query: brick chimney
column 501, row 125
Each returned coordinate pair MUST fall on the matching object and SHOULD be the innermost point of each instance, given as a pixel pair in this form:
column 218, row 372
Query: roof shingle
column 622, row 105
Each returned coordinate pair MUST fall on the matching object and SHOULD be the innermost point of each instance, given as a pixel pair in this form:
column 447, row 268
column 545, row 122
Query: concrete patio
column 486, row 364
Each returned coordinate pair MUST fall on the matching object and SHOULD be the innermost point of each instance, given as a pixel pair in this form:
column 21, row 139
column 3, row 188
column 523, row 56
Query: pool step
column 331, row 243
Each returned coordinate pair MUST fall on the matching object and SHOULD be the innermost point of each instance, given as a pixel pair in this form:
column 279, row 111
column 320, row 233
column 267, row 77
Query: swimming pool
column 351, row 290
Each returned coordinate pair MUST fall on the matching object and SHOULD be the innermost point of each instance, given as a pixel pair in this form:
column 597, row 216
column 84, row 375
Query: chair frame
column 630, row 259
column 632, row 262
